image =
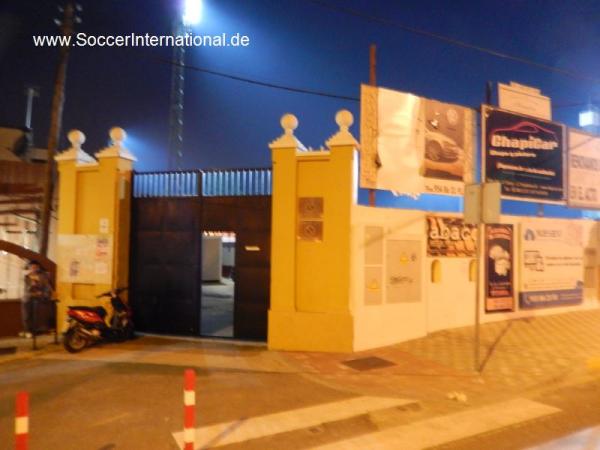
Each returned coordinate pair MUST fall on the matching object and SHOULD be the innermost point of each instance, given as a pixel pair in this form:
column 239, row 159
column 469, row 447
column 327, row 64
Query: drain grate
column 8, row 350
column 369, row 363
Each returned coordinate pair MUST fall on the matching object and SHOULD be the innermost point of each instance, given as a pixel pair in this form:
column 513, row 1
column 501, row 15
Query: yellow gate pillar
column 313, row 194
column 93, row 221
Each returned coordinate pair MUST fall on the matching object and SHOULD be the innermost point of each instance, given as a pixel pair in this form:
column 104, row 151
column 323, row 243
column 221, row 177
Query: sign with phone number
column 584, row 170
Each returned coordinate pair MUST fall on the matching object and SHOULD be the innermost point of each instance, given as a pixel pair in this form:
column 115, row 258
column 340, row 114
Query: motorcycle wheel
column 73, row 341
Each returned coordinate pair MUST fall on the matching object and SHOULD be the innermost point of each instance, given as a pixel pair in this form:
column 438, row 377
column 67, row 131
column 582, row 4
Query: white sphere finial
column 289, row 123
column 76, row 138
column 117, row 136
column 344, row 119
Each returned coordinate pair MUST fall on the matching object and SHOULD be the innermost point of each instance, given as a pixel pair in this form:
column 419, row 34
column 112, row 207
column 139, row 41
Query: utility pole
column 30, row 92
column 177, row 97
column 372, row 82
column 67, row 25
column 190, row 16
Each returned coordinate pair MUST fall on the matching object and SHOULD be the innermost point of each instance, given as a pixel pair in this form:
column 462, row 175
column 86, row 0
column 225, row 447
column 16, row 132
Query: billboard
column 413, row 145
column 525, row 154
column 450, row 236
column 499, row 288
column 551, row 263
column 584, row 170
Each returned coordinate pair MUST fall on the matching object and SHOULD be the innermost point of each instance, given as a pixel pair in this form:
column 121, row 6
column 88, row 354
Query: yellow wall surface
column 310, row 279
column 89, row 192
column 323, row 267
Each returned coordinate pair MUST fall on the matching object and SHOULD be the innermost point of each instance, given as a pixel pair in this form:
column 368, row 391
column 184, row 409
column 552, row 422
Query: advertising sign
column 450, row 236
column 524, row 154
column 525, row 100
column 584, row 170
column 551, row 264
column 499, row 292
column 414, row 145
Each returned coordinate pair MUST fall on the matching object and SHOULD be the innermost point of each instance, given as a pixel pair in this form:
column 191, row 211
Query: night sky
column 297, row 43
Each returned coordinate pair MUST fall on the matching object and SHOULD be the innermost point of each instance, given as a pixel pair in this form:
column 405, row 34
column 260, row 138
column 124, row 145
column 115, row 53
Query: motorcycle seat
column 95, row 309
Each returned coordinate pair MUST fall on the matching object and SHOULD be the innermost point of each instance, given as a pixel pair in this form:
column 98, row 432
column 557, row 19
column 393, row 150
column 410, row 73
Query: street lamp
column 589, row 119
column 192, row 12
column 191, row 15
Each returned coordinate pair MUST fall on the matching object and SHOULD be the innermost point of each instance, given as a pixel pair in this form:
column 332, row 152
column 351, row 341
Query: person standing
column 37, row 288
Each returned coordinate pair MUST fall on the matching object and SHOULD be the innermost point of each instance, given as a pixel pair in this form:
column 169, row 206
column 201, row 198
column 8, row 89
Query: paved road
column 129, row 396
column 575, row 427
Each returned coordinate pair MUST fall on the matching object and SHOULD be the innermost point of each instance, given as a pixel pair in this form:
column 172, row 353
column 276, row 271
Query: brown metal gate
column 170, row 210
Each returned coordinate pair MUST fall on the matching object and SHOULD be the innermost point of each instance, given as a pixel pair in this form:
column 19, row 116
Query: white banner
column 551, row 263
column 584, row 170
column 412, row 145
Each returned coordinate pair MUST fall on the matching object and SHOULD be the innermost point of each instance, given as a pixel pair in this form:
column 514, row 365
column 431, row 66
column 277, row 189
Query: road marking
column 588, row 439
column 255, row 427
column 448, row 428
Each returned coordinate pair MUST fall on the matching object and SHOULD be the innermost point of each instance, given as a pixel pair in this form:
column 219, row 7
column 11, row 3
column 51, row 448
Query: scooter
column 87, row 324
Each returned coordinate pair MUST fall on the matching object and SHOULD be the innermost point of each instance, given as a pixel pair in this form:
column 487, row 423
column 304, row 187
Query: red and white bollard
column 22, row 421
column 189, row 409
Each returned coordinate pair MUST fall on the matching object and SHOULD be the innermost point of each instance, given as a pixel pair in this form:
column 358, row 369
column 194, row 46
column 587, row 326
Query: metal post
column 488, row 93
column 30, row 92
column 480, row 231
column 372, row 82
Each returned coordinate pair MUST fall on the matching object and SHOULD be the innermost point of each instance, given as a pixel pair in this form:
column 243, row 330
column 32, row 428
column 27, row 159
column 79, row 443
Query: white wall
column 211, row 258
column 228, row 254
column 12, row 267
column 449, row 303
column 386, row 323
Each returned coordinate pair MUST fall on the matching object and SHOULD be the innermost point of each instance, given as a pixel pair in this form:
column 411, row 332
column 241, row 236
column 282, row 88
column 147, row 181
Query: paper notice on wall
column 84, row 258
column 403, row 271
column 413, row 145
column 373, row 285
column 551, row 263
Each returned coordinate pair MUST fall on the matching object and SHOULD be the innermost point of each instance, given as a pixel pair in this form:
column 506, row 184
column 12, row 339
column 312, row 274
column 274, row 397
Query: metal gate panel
column 165, row 283
column 170, row 210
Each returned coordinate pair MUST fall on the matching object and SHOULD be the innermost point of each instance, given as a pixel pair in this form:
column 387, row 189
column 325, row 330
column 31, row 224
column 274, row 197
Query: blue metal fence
column 209, row 183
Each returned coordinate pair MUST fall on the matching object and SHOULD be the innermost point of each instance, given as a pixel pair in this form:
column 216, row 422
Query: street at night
column 299, row 224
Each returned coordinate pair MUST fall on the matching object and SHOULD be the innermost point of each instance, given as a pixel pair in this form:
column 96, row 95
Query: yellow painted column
column 283, row 226
column 313, row 193
column 93, row 204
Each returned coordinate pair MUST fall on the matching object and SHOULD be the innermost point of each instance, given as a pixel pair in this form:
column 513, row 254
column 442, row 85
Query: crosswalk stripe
column 588, row 439
column 444, row 429
column 296, row 419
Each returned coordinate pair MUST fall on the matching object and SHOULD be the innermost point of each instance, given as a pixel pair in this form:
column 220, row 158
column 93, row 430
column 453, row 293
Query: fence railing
column 209, row 183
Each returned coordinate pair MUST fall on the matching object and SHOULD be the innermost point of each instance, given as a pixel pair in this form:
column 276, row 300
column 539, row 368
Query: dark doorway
column 172, row 213
column 218, row 284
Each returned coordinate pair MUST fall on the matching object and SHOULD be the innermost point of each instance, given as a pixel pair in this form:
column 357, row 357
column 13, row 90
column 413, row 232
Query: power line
column 257, row 82
column 299, row 90
column 452, row 41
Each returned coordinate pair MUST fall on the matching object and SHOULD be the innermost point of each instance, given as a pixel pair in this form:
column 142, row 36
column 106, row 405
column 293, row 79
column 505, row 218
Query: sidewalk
column 516, row 357
column 12, row 348
column 253, row 398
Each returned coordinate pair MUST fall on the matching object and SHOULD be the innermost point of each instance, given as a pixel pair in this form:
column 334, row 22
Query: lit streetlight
column 192, row 12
